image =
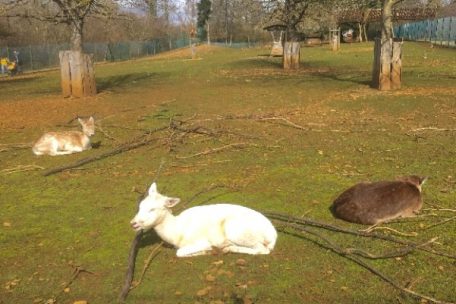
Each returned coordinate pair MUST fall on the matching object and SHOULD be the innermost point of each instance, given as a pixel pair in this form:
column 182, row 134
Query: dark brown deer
column 373, row 203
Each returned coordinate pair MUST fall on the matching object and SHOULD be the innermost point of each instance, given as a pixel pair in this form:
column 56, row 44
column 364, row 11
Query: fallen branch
column 136, row 143
column 153, row 253
column 76, row 272
column 216, row 150
column 102, row 131
column 344, row 253
column 131, row 266
column 439, row 209
column 372, row 228
column 430, row 129
column 305, row 221
column 440, row 223
column 20, row 168
column 18, row 146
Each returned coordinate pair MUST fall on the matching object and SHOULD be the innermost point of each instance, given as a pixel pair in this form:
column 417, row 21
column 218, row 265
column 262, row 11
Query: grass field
column 272, row 140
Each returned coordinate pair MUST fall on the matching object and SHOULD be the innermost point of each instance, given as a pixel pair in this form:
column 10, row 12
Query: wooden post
column 77, row 74
column 291, row 55
column 334, row 36
column 387, row 70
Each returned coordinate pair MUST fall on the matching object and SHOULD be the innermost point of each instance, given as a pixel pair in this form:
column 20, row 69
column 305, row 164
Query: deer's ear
column 80, row 120
column 171, row 202
column 153, row 188
column 423, row 180
column 91, row 119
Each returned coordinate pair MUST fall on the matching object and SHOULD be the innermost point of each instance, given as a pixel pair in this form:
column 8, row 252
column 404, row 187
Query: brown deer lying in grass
column 66, row 142
column 373, row 203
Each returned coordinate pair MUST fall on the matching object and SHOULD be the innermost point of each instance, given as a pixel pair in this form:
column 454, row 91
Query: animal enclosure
column 232, row 127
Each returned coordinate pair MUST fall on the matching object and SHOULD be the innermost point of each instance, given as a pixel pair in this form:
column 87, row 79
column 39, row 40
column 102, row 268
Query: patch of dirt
column 425, row 91
column 184, row 53
column 54, row 110
column 260, row 72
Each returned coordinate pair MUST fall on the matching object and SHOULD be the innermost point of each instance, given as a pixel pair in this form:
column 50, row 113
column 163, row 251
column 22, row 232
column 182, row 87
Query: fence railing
column 440, row 31
column 36, row 57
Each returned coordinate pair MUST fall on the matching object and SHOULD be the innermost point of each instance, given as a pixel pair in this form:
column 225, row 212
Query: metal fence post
column 31, row 57
column 449, row 31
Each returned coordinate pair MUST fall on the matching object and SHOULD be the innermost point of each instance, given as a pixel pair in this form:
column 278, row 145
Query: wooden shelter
column 277, row 33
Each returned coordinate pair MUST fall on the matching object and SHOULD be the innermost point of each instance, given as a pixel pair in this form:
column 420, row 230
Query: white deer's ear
column 153, row 188
column 80, row 120
column 171, row 202
column 423, row 180
column 91, row 119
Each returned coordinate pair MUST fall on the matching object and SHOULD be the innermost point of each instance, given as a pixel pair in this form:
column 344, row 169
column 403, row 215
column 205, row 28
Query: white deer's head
column 153, row 209
column 88, row 126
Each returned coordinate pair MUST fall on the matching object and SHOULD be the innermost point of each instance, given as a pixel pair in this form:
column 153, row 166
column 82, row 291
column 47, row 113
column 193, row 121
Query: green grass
column 353, row 133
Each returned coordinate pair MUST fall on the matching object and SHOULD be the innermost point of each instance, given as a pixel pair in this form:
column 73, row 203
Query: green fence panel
column 35, row 57
column 439, row 31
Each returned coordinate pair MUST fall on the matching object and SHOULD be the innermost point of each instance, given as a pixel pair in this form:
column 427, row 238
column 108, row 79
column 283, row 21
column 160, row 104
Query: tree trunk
column 291, row 55
column 387, row 19
column 387, row 71
column 76, row 36
column 208, row 34
column 360, row 33
column 77, row 74
column 334, row 37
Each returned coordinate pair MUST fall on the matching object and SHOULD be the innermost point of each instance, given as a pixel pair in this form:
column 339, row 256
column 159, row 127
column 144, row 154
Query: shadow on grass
column 318, row 69
column 345, row 78
column 150, row 238
column 6, row 80
column 125, row 80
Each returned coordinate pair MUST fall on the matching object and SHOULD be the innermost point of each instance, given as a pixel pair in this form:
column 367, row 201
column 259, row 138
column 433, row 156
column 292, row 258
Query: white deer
column 66, row 142
column 198, row 230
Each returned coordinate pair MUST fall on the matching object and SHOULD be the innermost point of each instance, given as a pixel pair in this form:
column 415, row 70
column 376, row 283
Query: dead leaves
column 224, row 282
column 10, row 285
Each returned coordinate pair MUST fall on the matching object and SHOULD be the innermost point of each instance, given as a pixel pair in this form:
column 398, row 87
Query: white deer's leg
column 63, row 152
column 199, row 248
column 260, row 249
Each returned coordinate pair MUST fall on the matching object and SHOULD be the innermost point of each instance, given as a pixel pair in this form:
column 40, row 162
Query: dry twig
column 440, row 223
column 20, row 168
column 216, row 150
column 349, row 255
column 139, row 141
column 372, row 228
column 17, row 146
column 305, row 221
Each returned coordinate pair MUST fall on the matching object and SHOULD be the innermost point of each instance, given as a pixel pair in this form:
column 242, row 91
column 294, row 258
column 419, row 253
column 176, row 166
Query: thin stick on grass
column 336, row 249
column 440, row 223
column 16, row 146
column 305, row 221
column 153, row 253
column 216, row 150
column 139, row 141
column 370, row 229
column 20, row 168
column 134, row 249
column 131, row 266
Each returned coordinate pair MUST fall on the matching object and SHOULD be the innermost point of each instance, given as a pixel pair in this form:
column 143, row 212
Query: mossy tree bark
column 291, row 55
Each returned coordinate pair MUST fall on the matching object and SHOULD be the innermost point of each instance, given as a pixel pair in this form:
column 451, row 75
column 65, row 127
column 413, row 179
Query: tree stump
column 77, row 74
column 291, row 55
column 387, row 71
column 334, row 36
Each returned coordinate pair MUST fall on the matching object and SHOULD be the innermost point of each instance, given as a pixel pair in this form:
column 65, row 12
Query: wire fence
column 440, row 31
column 37, row 57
